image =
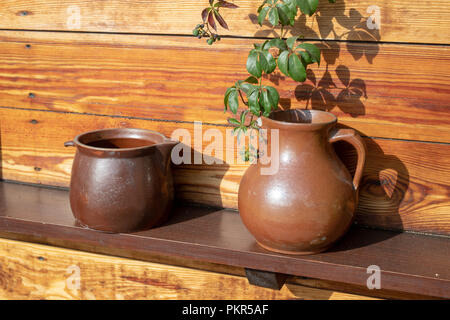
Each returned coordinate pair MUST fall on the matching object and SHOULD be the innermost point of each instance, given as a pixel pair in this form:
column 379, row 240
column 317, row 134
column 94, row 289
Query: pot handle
column 69, row 144
column 350, row 136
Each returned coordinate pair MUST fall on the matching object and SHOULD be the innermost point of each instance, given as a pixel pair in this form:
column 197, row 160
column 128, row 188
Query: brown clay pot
column 310, row 202
column 121, row 179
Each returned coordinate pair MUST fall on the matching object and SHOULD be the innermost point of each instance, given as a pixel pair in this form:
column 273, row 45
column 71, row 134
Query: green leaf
column 233, row 101
column 273, row 16
column 308, row 6
column 253, row 103
column 283, row 62
column 283, row 13
column 243, row 114
column 247, row 87
column 266, row 102
column 332, row 1
column 269, row 64
column 233, row 121
column 313, row 51
column 274, row 96
column 227, row 94
column 253, row 64
column 293, row 11
column 296, row 69
column 251, row 79
column 262, row 15
column 276, row 42
column 306, row 58
column 292, row 7
column 291, row 42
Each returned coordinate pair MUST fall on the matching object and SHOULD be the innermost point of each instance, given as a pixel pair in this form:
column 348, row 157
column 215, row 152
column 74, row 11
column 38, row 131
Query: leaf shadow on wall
column 325, row 94
column 383, row 188
column 336, row 87
column 353, row 26
column 206, row 189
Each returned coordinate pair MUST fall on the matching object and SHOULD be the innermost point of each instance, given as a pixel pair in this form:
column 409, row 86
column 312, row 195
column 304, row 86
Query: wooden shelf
column 409, row 263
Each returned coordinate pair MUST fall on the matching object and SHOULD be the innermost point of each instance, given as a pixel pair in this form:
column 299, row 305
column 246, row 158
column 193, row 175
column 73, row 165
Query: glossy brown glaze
column 310, row 202
column 121, row 179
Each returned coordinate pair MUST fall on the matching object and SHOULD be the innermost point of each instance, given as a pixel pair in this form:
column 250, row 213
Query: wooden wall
column 134, row 64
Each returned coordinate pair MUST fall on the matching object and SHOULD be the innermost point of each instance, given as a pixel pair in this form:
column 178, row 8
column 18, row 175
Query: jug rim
column 329, row 119
column 132, row 133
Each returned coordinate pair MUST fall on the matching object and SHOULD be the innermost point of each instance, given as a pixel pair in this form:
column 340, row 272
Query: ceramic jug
column 121, row 179
column 310, row 201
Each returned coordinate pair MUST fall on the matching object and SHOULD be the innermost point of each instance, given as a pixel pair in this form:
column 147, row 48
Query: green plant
column 291, row 58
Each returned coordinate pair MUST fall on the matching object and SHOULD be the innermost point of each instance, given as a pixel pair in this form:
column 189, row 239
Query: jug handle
column 69, row 144
column 350, row 136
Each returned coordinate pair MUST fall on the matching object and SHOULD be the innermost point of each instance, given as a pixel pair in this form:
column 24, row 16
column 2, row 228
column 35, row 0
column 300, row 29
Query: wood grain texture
column 401, row 20
column 409, row 263
column 33, row 271
column 213, row 267
column 405, row 185
column 382, row 90
column 331, row 285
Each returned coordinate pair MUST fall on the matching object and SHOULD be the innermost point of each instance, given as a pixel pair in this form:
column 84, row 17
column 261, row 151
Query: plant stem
column 207, row 27
column 242, row 98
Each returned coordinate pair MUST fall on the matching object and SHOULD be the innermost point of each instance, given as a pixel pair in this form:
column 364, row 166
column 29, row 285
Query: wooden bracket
column 265, row 279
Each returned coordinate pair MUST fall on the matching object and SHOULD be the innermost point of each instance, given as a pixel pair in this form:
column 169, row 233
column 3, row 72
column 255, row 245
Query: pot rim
column 300, row 125
column 165, row 140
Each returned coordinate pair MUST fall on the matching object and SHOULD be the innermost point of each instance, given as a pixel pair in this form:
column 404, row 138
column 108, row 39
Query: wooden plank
column 401, row 20
column 384, row 294
column 391, row 196
column 33, row 271
column 405, row 185
column 176, row 78
column 408, row 262
column 214, row 267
